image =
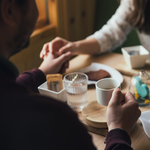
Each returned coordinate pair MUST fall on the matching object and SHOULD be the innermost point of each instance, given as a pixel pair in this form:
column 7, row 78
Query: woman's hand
column 58, row 46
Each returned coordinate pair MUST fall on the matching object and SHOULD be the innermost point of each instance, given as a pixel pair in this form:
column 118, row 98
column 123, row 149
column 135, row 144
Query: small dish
column 135, row 56
column 145, row 119
column 57, row 95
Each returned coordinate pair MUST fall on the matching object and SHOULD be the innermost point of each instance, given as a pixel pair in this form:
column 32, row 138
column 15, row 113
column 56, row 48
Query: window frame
column 42, row 19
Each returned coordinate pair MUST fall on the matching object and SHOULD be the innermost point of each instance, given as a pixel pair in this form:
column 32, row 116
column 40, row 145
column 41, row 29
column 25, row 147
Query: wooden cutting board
column 95, row 115
column 123, row 68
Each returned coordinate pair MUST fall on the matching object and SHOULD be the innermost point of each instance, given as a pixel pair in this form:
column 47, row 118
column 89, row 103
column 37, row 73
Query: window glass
column 42, row 19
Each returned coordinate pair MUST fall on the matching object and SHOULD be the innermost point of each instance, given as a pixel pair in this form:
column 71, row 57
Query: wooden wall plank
column 91, row 12
column 78, row 18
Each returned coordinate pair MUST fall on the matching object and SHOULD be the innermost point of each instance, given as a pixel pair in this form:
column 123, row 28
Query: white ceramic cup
column 104, row 89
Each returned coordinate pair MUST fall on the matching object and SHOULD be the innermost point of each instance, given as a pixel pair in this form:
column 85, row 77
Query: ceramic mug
column 104, row 89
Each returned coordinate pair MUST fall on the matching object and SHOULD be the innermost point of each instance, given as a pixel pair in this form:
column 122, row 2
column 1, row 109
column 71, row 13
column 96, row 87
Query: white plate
column 145, row 119
column 97, row 66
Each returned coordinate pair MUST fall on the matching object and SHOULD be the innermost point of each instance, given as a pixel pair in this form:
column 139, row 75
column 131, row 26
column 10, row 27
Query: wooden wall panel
column 91, row 13
column 72, row 14
column 78, row 18
column 86, row 18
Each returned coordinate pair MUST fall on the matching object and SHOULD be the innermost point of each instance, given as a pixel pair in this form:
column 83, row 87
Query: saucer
column 95, row 114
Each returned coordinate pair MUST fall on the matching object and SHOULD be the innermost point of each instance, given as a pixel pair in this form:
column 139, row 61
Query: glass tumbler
column 76, row 89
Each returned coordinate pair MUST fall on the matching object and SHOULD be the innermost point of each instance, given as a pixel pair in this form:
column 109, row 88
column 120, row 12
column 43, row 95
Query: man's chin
column 20, row 48
column 26, row 44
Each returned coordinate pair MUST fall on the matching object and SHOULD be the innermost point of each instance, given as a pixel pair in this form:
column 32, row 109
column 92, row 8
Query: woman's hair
column 140, row 18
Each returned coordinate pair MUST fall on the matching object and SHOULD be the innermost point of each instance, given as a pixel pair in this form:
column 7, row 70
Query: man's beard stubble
column 21, row 39
column 19, row 46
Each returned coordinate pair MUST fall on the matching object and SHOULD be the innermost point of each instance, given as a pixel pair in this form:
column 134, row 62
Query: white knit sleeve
column 114, row 32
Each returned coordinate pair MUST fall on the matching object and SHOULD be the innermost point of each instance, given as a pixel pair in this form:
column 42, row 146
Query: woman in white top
column 130, row 14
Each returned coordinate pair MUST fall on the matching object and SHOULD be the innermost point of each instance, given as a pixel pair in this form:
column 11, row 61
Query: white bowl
column 57, row 95
column 135, row 61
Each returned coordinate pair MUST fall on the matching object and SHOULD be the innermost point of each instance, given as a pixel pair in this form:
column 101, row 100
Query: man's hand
column 55, row 49
column 122, row 111
column 52, row 64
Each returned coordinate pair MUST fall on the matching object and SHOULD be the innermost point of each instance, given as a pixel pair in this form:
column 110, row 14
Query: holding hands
column 54, row 60
column 122, row 111
column 58, row 46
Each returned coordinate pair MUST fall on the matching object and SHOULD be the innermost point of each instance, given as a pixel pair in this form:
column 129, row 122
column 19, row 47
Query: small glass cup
column 76, row 89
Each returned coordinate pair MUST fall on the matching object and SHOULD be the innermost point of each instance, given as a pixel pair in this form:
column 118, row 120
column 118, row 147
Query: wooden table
column 140, row 141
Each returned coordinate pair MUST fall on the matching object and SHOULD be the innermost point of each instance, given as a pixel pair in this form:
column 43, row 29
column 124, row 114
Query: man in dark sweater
column 29, row 121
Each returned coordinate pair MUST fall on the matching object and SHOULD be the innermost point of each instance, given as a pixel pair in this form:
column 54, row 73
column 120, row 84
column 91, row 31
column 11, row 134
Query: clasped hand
column 54, row 60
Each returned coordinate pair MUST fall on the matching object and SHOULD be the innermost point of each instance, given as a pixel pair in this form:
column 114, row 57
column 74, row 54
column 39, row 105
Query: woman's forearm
column 86, row 46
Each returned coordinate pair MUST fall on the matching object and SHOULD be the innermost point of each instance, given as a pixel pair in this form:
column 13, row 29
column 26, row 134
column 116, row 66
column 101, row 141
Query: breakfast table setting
column 129, row 71
column 95, row 121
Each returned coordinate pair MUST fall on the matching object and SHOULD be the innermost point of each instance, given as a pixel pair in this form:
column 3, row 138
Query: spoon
column 74, row 78
column 145, row 119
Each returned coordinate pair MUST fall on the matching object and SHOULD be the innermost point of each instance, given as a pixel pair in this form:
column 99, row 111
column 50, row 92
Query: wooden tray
column 123, row 68
column 95, row 115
